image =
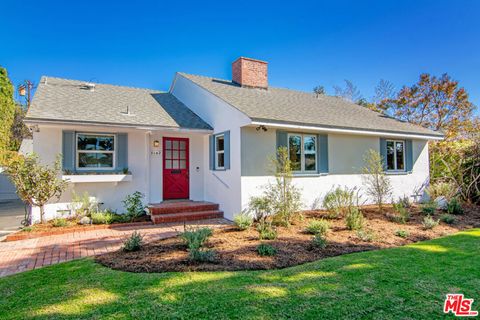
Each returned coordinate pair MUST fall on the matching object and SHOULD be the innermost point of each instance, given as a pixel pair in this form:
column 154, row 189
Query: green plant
column 454, row 207
column 429, row 223
column 402, row 214
column 125, row 170
column 266, row 232
column 404, row 201
column 83, row 205
column 283, row 196
column 366, row 235
column 60, row 222
column 319, row 241
column 102, row 217
column 202, row 255
column 134, row 242
column 377, row 183
column 28, row 229
column 354, row 219
column 442, row 189
column 428, row 208
column 318, row 227
column 339, row 200
column 243, row 221
column 133, row 205
column 402, row 233
column 35, row 183
column 195, row 239
column 264, row 249
column 448, row 218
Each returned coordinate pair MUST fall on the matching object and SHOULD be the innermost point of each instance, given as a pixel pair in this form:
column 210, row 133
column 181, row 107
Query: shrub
column 442, row 189
column 429, row 223
column 402, row 214
column 133, row 205
column 266, row 232
column 60, row 222
column 318, row 227
column 243, row 221
column 261, row 207
column 264, row 249
column 338, row 201
column 195, row 239
column 134, row 242
column 319, row 241
column 354, row 219
column 366, row 235
column 83, row 205
column 98, row 217
column 402, row 233
column 448, row 218
column 202, row 255
column 404, row 201
column 377, row 183
column 429, row 207
column 454, row 207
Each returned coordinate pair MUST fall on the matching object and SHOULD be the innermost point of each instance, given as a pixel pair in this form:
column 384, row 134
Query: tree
column 435, row 103
column 7, row 109
column 350, row 92
column 383, row 90
column 19, row 130
column 319, row 90
column 36, row 184
column 378, row 185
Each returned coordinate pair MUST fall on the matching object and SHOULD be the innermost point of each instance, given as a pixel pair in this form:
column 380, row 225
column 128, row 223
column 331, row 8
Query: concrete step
column 186, row 216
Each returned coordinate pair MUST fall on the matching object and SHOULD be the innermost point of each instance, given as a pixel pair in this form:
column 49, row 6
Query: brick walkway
column 23, row 255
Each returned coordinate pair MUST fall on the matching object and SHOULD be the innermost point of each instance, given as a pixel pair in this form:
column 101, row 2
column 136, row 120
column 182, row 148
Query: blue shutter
column 322, row 153
column 211, row 151
column 68, row 151
column 409, row 155
column 282, row 139
column 122, row 151
column 226, row 144
column 383, row 152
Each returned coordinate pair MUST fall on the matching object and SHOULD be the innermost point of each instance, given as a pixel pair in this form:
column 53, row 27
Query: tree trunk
column 42, row 213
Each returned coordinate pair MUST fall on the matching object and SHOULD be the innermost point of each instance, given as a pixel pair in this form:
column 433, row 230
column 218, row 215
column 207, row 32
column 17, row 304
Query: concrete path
column 11, row 216
column 23, row 255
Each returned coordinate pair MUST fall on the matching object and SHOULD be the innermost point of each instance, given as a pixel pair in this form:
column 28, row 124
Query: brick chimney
column 250, row 73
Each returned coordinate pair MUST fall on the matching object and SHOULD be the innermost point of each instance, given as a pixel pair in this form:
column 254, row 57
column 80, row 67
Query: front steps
column 181, row 211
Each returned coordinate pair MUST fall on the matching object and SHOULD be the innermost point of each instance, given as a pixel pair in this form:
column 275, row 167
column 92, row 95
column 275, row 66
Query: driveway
column 11, row 215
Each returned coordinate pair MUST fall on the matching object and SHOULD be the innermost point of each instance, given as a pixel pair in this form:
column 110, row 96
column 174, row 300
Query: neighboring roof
column 301, row 108
column 69, row 101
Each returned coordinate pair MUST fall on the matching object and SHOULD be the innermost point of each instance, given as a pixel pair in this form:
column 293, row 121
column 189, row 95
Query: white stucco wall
column 222, row 187
column 345, row 164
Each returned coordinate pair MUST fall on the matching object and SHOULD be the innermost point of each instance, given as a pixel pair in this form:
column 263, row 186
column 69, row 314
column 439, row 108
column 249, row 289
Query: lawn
column 405, row 282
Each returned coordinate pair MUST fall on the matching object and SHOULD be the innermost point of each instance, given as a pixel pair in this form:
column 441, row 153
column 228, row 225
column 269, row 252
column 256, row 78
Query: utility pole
column 25, row 90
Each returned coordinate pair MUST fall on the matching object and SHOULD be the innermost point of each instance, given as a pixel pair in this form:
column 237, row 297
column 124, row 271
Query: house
column 209, row 139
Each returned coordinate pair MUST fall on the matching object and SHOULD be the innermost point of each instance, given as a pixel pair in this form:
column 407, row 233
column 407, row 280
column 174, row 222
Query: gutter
column 349, row 130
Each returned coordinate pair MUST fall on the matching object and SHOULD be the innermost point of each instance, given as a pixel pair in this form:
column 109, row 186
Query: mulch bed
column 236, row 250
column 47, row 229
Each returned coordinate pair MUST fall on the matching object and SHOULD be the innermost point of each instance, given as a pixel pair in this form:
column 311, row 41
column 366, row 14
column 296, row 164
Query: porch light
column 156, row 144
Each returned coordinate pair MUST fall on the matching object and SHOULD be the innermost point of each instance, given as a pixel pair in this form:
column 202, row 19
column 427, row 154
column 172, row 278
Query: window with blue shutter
column 219, row 151
column 68, row 151
column 397, row 155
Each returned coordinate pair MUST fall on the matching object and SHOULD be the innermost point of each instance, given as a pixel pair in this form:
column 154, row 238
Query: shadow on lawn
column 406, row 282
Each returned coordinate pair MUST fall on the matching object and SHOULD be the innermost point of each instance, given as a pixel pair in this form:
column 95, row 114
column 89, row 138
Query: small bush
column 134, row 242
column 133, row 205
column 448, row 218
column 118, row 218
column 338, row 201
column 454, row 207
column 429, row 208
column 243, row 221
column 202, row 255
column 266, row 250
column 266, row 232
column 402, row 214
column 28, row 229
column 366, row 235
column 319, row 241
column 442, row 189
column 98, row 217
column 354, row 219
column 402, row 233
column 60, row 222
column 318, row 227
column 404, row 202
column 429, row 223
column 195, row 239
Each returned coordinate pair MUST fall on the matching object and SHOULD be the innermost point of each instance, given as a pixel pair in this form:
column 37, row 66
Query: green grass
column 400, row 283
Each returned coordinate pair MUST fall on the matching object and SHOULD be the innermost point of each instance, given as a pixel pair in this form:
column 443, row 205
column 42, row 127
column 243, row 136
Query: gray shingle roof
column 66, row 100
column 302, row 108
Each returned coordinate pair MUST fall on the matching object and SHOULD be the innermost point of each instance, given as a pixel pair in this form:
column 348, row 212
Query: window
column 95, row 151
column 175, row 153
column 220, row 151
column 395, row 155
column 302, row 152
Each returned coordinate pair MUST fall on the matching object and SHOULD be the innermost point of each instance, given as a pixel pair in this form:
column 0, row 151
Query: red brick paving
column 23, row 255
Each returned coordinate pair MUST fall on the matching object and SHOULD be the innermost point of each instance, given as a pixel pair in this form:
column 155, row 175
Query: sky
column 143, row 43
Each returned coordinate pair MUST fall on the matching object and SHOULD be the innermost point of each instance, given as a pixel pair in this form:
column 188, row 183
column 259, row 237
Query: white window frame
column 395, row 155
column 217, row 152
column 302, row 152
column 77, row 152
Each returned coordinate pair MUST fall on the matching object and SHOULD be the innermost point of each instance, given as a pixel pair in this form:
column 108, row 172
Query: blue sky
column 142, row 43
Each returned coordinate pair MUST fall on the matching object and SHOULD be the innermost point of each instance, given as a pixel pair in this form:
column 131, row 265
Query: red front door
column 175, row 168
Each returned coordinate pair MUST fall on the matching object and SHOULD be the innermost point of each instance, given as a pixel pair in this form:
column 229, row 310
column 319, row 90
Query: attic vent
column 127, row 112
column 88, row 86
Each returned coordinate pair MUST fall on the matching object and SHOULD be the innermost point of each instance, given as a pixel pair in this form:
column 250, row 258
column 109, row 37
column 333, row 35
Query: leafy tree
column 350, row 92
column 7, row 109
column 378, row 185
column 319, row 90
column 36, row 184
column 438, row 103
column 19, row 130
